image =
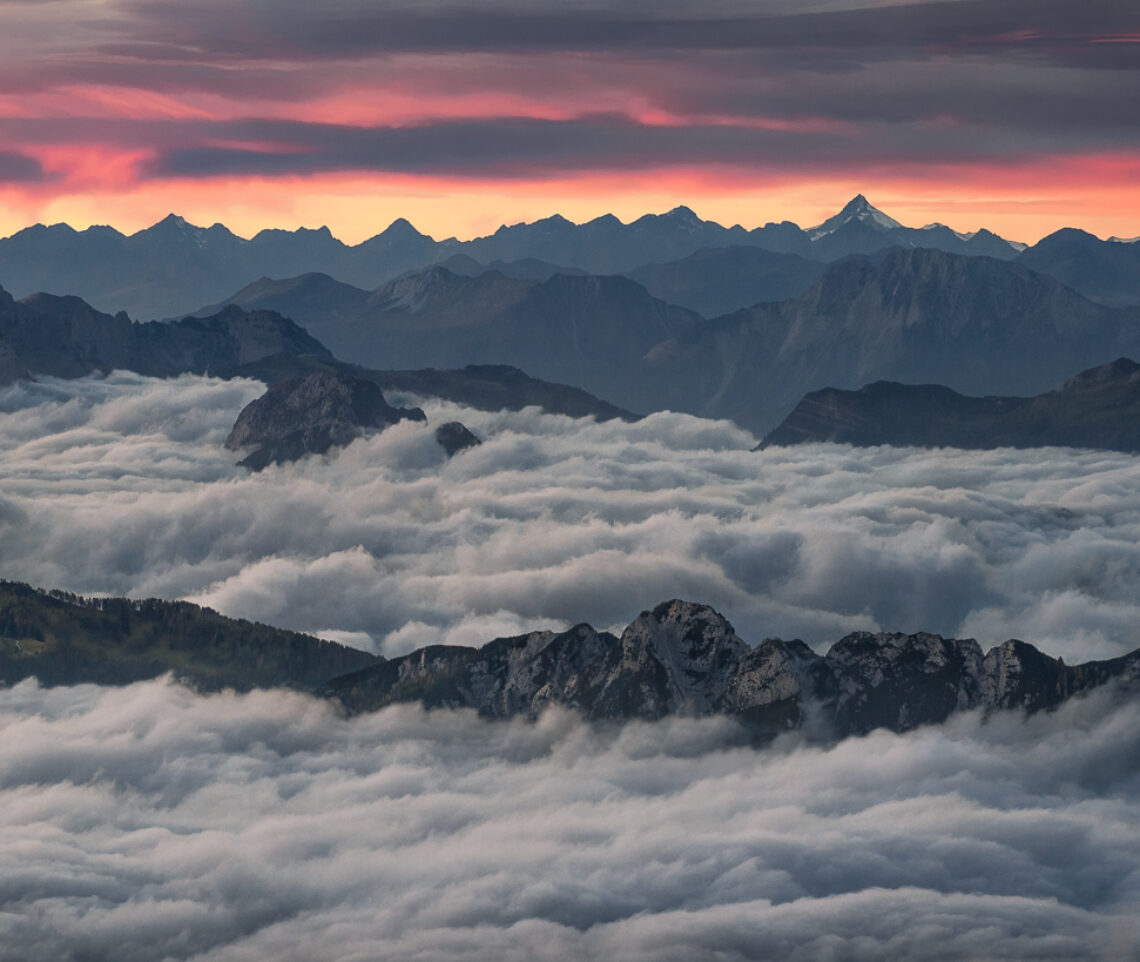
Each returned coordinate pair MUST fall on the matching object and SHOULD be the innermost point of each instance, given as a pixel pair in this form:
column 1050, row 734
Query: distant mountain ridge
column 584, row 330
column 66, row 337
column 173, row 267
column 1098, row 408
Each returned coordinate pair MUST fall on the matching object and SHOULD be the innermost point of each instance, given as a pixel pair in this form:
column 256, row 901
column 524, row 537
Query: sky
column 1017, row 115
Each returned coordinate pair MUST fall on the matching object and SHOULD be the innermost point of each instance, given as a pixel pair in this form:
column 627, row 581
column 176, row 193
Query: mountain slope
column 1105, row 271
column 62, row 639
column 1099, row 408
column 66, row 337
column 975, row 324
column 716, row 281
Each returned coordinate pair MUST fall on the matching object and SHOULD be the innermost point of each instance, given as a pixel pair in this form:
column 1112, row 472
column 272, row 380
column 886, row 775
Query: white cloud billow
column 150, row 822
column 121, row 486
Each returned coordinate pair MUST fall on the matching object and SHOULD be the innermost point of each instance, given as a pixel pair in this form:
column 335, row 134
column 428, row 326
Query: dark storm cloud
column 149, row 822
column 18, row 168
column 354, row 28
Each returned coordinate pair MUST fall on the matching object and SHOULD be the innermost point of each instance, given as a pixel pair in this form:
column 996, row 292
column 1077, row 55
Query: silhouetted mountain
column 485, row 387
column 685, row 659
column 583, row 330
column 1105, row 271
column 975, row 324
column 63, row 639
column 172, row 267
column 66, row 337
column 309, row 415
column 716, row 281
column 1099, row 408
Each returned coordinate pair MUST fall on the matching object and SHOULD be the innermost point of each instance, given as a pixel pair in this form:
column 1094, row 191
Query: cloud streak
column 151, row 822
column 122, row 486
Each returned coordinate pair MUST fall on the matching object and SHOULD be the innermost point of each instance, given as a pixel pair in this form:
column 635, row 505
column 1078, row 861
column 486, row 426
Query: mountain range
column 1098, row 408
column 975, row 324
column 678, row 659
column 174, row 267
column 685, row 659
column 585, row 330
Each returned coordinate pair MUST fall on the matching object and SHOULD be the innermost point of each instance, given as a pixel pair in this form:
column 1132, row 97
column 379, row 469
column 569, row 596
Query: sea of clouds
column 121, row 485
column 153, row 823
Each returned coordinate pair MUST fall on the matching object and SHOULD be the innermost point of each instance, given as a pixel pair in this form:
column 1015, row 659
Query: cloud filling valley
column 120, row 485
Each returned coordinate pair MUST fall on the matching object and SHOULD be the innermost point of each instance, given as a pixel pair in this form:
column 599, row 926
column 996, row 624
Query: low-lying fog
column 151, row 823
column 121, row 485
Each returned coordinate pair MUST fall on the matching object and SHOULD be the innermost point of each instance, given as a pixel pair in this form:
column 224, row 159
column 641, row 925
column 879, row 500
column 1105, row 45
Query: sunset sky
column 1018, row 115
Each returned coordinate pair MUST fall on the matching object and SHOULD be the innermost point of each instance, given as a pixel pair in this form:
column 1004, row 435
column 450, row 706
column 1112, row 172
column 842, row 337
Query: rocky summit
column 309, row 415
column 455, row 436
column 685, row 659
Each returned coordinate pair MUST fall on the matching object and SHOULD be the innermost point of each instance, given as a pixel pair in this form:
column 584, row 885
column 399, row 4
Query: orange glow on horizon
column 1097, row 194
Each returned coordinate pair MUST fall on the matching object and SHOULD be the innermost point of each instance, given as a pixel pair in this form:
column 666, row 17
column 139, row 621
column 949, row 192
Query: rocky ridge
column 685, row 659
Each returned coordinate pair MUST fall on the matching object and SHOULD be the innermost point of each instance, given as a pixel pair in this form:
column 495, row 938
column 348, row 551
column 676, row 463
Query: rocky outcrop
column 454, row 436
column 1099, row 408
column 685, row 659
column 309, row 415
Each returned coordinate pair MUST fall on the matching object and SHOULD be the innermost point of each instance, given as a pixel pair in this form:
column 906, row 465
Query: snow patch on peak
column 857, row 209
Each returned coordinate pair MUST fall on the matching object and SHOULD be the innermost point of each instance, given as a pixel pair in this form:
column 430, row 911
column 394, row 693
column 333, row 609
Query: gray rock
column 454, row 437
column 310, row 415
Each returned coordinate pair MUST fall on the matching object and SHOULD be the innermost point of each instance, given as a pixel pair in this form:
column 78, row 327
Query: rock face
column 310, row 415
column 12, row 369
column 1099, row 408
column 685, row 659
column 454, row 437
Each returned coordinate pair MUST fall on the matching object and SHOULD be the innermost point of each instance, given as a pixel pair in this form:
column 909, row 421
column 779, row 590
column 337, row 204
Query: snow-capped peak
column 856, row 209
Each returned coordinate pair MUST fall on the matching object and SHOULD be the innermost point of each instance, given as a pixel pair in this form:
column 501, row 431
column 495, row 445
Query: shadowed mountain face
column 582, row 330
column 62, row 639
column 1104, row 271
column 721, row 280
column 173, row 267
column 685, row 659
column 975, row 324
column 1099, row 408
column 65, row 337
column 309, row 415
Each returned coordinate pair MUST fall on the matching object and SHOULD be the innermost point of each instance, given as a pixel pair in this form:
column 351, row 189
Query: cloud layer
column 121, row 486
column 153, row 823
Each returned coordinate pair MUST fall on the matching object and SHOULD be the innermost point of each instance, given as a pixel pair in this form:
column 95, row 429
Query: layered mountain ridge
column 173, row 267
